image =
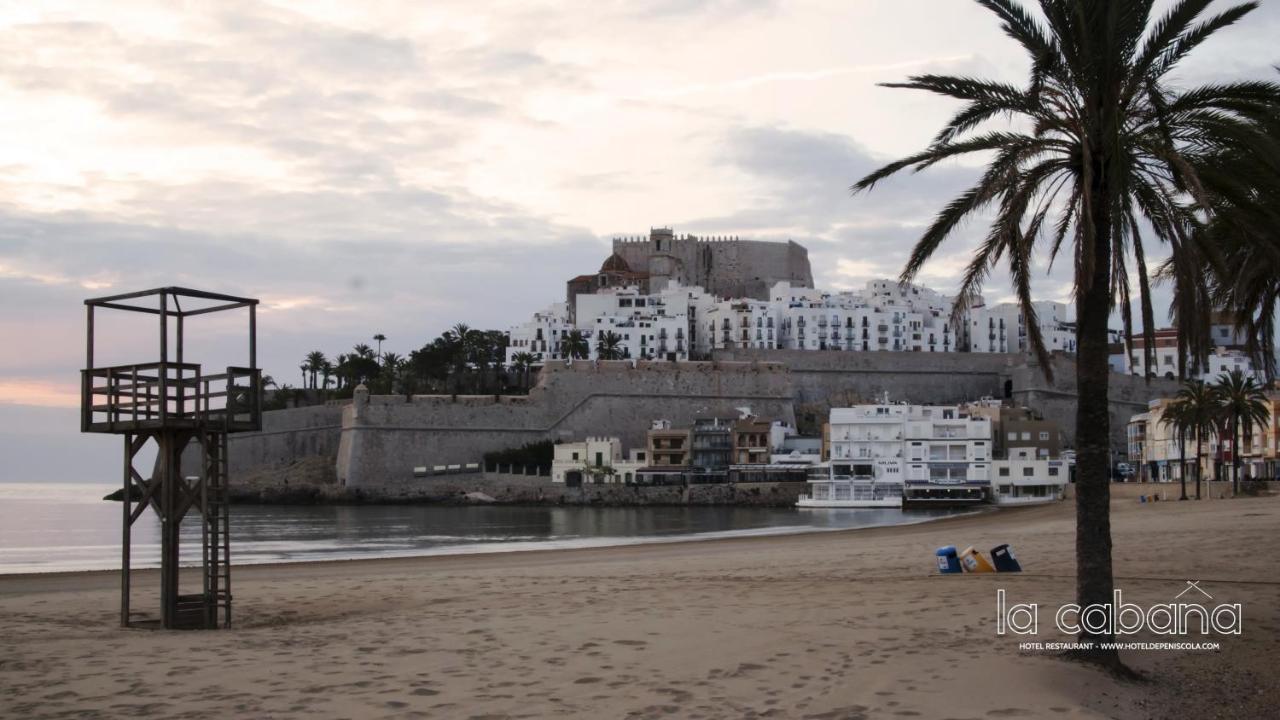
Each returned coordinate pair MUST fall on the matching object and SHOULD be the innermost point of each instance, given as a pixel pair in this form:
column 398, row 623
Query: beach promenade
column 840, row 625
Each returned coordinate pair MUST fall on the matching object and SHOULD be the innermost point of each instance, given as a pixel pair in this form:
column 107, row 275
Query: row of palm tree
column 1099, row 157
column 1229, row 408
column 461, row 359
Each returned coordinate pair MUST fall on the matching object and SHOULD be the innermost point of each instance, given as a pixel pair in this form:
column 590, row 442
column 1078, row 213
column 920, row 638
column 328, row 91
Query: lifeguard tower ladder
column 174, row 403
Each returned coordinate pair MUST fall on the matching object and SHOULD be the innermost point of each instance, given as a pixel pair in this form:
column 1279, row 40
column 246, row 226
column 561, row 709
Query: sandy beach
column 851, row 624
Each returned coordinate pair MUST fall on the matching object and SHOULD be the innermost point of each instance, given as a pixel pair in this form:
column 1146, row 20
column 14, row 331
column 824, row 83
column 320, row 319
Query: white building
column 680, row 322
column 741, row 323
column 940, row 452
column 885, row 316
column 1001, row 328
column 541, row 336
column 1024, row 479
column 595, row 460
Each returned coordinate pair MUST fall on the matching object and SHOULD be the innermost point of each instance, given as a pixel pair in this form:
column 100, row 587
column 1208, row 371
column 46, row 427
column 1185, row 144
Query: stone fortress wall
column 726, row 267
column 377, row 441
column 385, row 437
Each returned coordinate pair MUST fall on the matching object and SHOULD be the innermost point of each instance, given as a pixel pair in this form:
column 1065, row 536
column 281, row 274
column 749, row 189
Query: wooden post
column 124, row 540
column 164, row 357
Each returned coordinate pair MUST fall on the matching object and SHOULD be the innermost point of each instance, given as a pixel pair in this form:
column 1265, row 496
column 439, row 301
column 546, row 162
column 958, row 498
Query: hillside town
column 621, row 312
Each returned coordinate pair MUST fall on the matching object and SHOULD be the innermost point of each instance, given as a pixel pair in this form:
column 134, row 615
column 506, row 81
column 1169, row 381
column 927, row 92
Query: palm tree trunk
column 1182, row 470
column 1199, row 461
column 1235, row 455
column 1094, row 582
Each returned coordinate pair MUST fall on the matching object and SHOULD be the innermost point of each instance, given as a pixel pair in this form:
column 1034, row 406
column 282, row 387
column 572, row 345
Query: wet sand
column 851, row 624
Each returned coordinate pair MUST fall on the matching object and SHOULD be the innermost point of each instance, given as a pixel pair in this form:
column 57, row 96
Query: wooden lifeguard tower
column 185, row 411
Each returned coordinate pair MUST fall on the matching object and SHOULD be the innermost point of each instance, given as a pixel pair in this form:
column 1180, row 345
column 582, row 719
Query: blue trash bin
column 948, row 561
column 1002, row 557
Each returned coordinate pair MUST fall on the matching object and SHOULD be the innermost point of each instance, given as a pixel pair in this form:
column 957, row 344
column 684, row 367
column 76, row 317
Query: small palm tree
column 326, row 372
column 1199, row 404
column 609, row 345
column 315, row 360
column 1098, row 142
column 363, row 351
column 1244, row 405
column 521, row 363
column 378, row 338
column 575, row 345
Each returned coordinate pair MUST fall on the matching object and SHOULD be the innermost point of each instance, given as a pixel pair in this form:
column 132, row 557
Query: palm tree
column 608, row 345
column 364, row 351
column 1178, row 418
column 575, row 345
column 392, row 364
column 461, row 344
column 1244, row 405
column 315, row 360
column 1096, row 141
column 1244, row 183
column 326, row 372
column 379, row 338
column 521, row 362
column 1199, row 403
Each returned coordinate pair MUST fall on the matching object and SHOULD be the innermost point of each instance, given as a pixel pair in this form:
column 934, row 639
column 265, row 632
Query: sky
column 399, row 167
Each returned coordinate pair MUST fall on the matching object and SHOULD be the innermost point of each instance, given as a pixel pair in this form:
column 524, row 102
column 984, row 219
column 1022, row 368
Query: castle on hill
column 723, row 267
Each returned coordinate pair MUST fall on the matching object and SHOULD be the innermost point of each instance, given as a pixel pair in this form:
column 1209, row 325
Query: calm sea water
column 57, row 526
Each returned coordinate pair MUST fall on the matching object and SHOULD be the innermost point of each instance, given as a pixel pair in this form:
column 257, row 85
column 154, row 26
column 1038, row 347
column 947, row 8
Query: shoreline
column 755, row 534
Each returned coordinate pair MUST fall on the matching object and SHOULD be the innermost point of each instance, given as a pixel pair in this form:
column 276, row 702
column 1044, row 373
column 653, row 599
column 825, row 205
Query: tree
column 326, row 372
column 1096, row 142
column 1244, row 232
column 378, row 338
column 314, row 362
column 575, row 345
column 1243, row 405
column 460, row 342
column 1199, row 406
column 609, row 346
column 521, row 363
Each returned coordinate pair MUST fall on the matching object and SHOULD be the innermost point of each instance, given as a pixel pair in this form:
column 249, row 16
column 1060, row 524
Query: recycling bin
column 972, row 561
column 948, row 562
column 1002, row 557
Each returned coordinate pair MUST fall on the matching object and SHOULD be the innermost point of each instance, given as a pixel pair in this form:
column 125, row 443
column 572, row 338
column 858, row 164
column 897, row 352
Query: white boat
column 839, row 485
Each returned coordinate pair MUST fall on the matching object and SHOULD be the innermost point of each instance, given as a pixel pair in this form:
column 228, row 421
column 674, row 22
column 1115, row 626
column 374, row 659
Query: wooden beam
column 220, row 308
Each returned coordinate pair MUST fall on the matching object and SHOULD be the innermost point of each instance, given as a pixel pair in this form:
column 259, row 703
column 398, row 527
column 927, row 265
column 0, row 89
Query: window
column 1026, row 435
column 1013, row 436
column 575, row 456
column 1044, row 434
column 1004, row 472
column 599, row 459
column 1028, row 472
column 1053, row 472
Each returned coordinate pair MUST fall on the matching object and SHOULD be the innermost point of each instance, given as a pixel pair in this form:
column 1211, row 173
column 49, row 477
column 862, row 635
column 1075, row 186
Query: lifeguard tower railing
column 152, row 396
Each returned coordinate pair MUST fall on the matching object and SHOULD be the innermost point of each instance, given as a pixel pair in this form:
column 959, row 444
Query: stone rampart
column 384, row 438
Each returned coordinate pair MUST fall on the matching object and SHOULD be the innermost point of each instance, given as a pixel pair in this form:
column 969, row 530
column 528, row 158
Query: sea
column 53, row 527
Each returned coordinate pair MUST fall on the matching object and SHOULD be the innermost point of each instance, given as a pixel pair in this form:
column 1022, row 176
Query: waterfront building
column 595, row 460
column 1022, row 478
column 1015, row 428
column 948, row 455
